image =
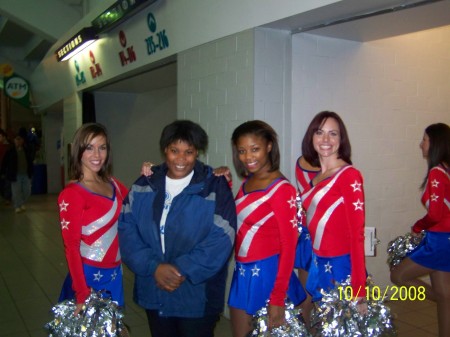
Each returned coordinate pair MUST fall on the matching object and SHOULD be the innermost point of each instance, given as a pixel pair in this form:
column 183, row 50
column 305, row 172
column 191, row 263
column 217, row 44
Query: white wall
column 387, row 92
column 135, row 122
column 52, row 128
column 72, row 120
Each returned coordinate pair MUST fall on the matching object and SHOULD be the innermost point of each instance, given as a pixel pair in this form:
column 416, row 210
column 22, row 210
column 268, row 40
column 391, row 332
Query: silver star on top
column 434, row 183
column 294, row 222
column 292, row 202
column 356, row 186
column 358, row 205
column 65, row 224
column 63, row 206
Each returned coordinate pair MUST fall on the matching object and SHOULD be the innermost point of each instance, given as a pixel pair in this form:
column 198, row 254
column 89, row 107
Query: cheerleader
column 267, row 231
column 431, row 256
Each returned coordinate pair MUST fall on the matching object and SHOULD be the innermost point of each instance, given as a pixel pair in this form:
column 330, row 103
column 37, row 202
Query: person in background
column 176, row 233
column 304, row 174
column 5, row 185
column 89, row 207
column 267, row 231
column 334, row 206
column 431, row 257
column 18, row 169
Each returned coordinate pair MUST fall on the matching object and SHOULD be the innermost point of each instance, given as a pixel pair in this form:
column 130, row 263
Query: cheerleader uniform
column 89, row 231
column 304, row 248
column 335, row 220
column 265, row 248
column 434, row 249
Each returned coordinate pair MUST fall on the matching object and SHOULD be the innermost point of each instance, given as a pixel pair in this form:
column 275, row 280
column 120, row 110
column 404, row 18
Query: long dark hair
column 80, row 142
column 439, row 149
column 259, row 129
column 308, row 151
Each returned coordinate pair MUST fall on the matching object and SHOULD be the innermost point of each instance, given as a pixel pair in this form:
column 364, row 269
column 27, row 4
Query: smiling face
column 327, row 139
column 180, row 159
column 94, row 156
column 253, row 152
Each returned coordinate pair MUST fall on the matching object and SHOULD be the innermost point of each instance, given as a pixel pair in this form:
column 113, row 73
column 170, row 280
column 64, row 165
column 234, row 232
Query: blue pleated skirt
column 324, row 272
column 303, row 253
column 252, row 284
column 108, row 280
column 433, row 252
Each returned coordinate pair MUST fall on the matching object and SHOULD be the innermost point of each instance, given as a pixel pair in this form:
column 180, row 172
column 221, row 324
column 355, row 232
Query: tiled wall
column 215, row 89
column 273, row 87
column 387, row 92
column 242, row 77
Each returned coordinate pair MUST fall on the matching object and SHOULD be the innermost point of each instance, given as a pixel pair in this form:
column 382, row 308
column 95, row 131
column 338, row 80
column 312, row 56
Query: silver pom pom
column 337, row 317
column 301, row 214
column 401, row 246
column 294, row 327
column 101, row 318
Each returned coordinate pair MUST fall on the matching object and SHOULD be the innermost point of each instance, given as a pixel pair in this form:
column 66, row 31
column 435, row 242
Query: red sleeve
column 284, row 208
column 353, row 194
column 71, row 205
column 435, row 193
column 122, row 190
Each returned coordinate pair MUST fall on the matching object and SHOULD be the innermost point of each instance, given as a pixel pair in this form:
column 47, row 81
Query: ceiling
column 25, row 38
column 27, row 31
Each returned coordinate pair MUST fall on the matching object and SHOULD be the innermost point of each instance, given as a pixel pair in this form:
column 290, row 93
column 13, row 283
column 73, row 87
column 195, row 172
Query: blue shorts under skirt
column 110, row 280
column 433, row 252
column 324, row 272
column 253, row 282
column 303, row 252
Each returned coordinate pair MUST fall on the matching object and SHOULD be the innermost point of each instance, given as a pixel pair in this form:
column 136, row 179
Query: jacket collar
column 201, row 173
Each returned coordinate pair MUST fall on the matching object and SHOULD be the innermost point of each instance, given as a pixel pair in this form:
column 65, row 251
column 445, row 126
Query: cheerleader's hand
column 276, row 316
column 361, row 306
column 146, row 169
column 79, row 307
column 224, row 171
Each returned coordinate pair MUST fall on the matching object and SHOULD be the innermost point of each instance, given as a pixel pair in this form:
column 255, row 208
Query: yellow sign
column 6, row 70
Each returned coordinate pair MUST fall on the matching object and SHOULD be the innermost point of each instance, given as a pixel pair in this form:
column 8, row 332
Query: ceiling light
column 76, row 44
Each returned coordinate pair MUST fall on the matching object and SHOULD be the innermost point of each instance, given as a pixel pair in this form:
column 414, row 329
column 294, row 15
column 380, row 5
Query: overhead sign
column 6, row 69
column 17, row 88
column 158, row 40
column 117, row 13
column 76, row 43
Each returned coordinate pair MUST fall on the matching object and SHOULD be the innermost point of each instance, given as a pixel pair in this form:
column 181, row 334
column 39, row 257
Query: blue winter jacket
column 199, row 237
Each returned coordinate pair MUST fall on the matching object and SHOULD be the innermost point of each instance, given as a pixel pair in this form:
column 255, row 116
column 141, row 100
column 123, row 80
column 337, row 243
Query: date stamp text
column 376, row 293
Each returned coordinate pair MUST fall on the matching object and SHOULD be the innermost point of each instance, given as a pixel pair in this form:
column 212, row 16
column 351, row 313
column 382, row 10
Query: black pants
column 181, row 326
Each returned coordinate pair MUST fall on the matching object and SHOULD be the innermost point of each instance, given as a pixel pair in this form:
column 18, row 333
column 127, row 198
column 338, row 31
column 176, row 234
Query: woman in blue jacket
column 176, row 233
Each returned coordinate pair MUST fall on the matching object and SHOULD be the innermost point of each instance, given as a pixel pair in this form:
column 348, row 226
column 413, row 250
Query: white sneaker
column 23, row 208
